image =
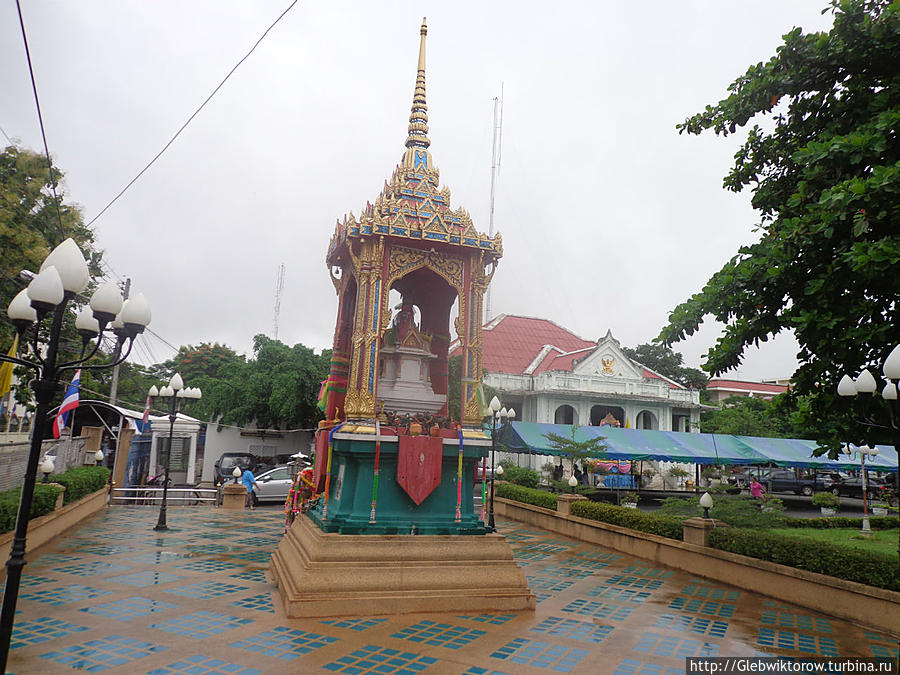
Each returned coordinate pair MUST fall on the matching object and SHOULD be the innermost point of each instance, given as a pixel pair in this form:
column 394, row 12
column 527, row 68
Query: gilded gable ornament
column 608, row 365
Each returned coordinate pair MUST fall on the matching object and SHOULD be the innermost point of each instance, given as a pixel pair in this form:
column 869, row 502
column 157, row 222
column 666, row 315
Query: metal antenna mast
column 279, row 286
column 496, row 151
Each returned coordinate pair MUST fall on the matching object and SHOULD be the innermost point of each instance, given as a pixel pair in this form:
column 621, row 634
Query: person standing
column 249, row 481
column 756, row 488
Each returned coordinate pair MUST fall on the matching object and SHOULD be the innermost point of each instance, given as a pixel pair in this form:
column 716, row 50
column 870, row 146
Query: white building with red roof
column 549, row 374
column 719, row 389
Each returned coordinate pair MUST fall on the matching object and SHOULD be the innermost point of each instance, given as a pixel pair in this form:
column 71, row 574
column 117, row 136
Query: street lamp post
column 63, row 276
column 865, row 386
column 501, row 414
column 175, row 393
column 864, row 451
column 706, row 502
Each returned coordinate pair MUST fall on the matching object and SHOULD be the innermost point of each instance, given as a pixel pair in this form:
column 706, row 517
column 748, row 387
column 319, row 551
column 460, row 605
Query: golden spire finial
column 418, row 118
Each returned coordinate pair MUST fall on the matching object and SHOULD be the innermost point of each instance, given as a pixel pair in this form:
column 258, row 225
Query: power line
column 160, row 338
column 196, row 112
column 37, row 103
column 6, row 136
column 109, row 268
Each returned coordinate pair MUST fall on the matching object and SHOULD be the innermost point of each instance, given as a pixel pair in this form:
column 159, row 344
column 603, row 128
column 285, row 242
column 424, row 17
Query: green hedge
column 42, row 503
column 665, row 526
column 736, row 510
column 866, row 567
column 517, row 493
column 82, row 481
column 875, row 522
column 520, row 475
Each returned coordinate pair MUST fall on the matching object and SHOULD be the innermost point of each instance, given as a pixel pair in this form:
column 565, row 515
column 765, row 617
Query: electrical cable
column 8, row 139
column 195, row 113
column 37, row 104
column 160, row 338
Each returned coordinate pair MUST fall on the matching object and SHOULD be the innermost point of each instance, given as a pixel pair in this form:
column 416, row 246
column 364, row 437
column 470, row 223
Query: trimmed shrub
column 42, row 503
column 865, row 567
column 82, row 481
column 517, row 493
column 563, row 487
column 841, row 522
column 520, row 475
column 826, row 500
column 737, row 511
column 663, row 525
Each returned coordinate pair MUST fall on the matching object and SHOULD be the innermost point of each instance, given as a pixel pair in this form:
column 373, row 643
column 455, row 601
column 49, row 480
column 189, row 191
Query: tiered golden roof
column 412, row 205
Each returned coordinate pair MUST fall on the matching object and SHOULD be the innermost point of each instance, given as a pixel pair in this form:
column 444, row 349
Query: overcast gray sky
column 609, row 217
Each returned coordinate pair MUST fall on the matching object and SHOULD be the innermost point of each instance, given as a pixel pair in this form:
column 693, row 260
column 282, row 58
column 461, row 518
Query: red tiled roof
column 746, row 386
column 564, row 361
column 650, row 375
column 512, row 343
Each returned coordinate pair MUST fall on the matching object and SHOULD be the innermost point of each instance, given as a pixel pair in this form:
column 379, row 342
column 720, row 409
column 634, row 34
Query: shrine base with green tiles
column 350, row 494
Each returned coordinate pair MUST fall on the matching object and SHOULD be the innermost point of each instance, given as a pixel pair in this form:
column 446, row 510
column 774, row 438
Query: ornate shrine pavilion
column 395, row 529
column 411, row 241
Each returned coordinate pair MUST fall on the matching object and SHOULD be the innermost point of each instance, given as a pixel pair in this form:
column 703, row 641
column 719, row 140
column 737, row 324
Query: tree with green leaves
column 32, row 222
column 591, row 447
column 278, row 388
column 748, row 416
column 824, row 173
column 668, row 363
column 200, row 362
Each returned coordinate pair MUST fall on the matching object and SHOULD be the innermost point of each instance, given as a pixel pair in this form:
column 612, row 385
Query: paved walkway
column 117, row 597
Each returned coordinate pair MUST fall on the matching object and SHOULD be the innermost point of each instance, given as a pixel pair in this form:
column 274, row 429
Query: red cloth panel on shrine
column 419, row 465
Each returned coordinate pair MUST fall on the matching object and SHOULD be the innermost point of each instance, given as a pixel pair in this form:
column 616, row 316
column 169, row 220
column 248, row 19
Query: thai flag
column 70, row 402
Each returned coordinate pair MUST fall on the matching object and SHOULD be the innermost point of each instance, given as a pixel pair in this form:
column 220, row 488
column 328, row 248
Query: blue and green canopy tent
column 679, row 446
column 795, row 452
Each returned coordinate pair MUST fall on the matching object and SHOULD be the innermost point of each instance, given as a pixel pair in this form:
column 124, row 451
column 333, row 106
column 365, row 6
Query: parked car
column 742, row 478
column 785, row 480
column 224, row 466
column 273, row 485
column 852, row 487
column 831, row 477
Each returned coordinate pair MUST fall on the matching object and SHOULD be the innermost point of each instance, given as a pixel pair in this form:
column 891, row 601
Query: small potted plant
column 880, row 508
column 679, row 474
column 826, row 501
column 630, row 500
column 711, row 474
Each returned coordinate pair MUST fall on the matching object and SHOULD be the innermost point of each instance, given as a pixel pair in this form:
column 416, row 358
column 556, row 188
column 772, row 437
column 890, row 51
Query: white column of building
column 584, row 412
column 154, row 441
column 192, row 457
column 664, row 415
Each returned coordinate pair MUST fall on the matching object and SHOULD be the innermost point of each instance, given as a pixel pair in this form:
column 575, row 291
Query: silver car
column 273, row 485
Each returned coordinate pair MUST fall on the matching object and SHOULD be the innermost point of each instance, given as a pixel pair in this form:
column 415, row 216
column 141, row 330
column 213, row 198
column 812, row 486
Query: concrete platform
column 320, row 573
column 114, row 596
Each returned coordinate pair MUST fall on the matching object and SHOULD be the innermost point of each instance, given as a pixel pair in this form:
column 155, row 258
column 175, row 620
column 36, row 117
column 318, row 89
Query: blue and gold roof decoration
column 412, row 205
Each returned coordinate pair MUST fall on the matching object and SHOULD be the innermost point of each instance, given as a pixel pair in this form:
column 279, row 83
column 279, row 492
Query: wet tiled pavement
column 114, row 596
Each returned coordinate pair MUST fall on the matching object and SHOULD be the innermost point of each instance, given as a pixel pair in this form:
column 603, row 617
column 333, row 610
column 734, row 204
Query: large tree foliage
column 203, row 361
column 748, row 416
column 824, row 172
column 32, row 223
column 665, row 361
column 278, row 388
